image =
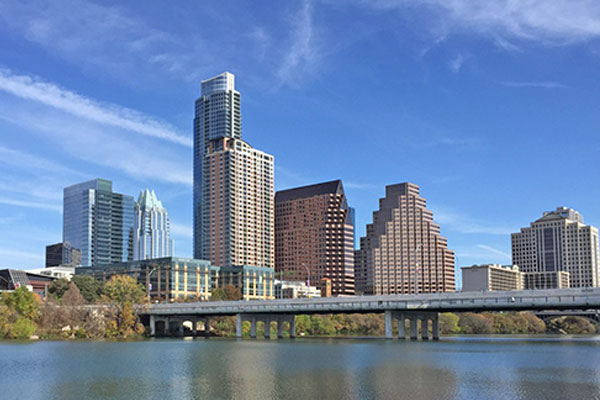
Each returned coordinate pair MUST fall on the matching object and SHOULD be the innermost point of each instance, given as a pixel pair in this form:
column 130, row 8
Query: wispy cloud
column 32, row 88
column 31, row 204
column 456, row 63
column 360, row 186
column 543, row 85
column 464, row 224
column 551, row 22
column 181, row 230
column 301, row 53
column 20, row 254
column 22, row 159
column 495, row 251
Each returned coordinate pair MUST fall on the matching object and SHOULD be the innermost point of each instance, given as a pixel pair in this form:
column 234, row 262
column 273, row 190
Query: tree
column 227, row 292
column 58, row 287
column 23, row 302
column 449, row 323
column 471, row 323
column 90, row 288
column 123, row 289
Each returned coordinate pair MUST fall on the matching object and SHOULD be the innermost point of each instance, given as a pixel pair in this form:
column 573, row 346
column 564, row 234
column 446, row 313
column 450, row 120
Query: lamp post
column 417, row 268
column 148, row 278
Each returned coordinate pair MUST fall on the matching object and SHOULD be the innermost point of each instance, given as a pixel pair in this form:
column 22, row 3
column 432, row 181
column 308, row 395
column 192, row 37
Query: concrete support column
column 195, row 327
column 401, row 327
column 207, row 327
column 435, row 327
column 238, row 325
column 167, row 327
column 267, row 328
column 152, row 325
column 388, row 324
column 425, row 328
column 292, row 327
column 279, row 328
column 413, row 327
column 180, row 329
column 253, row 328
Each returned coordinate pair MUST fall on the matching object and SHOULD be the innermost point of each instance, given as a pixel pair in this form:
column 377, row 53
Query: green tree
column 449, row 323
column 123, row 289
column 23, row 302
column 471, row 323
column 23, row 328
column 90, row 288
column 227, row 292
column 58, row 287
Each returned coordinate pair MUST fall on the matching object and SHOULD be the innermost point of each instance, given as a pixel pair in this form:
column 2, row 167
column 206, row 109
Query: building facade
column 546, row 280
column 174, row 278
column 314, row 236
column 295, row 290
column 151, row 228
column 217, row 115
column 98, row 222
column 559, row 241
column 403, row 251
column 491, row 277
column 62, row 254
column 233, row 184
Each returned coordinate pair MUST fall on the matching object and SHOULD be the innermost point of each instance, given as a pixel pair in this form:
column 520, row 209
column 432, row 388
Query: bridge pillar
column 280, row 328
column 152, row 325
column 195, row 327
column 401, row 327
column 388, row 324
column 267, row 328
column 238, row 325
column 413, row 327
column 207, row 327
column 292, row 327
column 425, row 328
column 253, row 328
column 435, row 326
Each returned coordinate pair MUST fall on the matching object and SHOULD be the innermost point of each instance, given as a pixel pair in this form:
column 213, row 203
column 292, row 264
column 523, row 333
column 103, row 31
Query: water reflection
column 304, row 368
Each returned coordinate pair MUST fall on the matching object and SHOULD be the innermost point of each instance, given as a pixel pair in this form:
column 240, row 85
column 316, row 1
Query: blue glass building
column 99, row 222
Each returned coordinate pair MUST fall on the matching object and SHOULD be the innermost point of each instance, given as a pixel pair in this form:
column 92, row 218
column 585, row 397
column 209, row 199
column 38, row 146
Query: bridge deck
column 538, row 300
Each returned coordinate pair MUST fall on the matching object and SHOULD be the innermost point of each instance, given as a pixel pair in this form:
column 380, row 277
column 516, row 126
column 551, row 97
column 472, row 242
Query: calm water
column 461, row 368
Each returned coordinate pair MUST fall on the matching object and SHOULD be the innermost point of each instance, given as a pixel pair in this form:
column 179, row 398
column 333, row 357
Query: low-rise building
column 294, row 290
column 546, row 280
column 174, row 278
column 61, row 271
column 11, row 279
column 490, row 277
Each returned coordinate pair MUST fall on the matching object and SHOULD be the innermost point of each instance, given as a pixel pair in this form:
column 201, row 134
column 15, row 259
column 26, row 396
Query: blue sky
column 491, row 107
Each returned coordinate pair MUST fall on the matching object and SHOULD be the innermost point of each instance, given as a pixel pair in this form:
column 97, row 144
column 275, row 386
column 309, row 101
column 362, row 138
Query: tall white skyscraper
column 559, row 241
column 151, row 237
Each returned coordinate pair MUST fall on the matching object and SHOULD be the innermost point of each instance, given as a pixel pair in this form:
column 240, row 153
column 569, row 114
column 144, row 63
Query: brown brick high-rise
column 402, row 229
column 314, row 230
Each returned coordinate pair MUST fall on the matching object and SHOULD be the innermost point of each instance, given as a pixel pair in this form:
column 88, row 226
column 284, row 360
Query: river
column 453, row 368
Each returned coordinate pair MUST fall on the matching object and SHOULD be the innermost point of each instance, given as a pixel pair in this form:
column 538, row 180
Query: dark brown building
column 403, row 251
column 314, row 232
column 62, row 254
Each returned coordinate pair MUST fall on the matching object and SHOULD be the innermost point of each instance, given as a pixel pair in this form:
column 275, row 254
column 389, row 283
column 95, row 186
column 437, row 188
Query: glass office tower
column 99, row 222
column 217, row 115
column 151, row 233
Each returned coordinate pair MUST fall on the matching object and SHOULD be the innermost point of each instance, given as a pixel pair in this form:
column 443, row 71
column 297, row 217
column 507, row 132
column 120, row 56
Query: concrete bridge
column 420, row 309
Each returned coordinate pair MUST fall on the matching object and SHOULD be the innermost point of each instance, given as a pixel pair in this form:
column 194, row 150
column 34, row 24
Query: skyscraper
column 403, row 238
column 558, row 241
column 62, row 254
column 151, row 229
column 233, row 183
column 99, row 222
column 217, row 115
column 314, row 236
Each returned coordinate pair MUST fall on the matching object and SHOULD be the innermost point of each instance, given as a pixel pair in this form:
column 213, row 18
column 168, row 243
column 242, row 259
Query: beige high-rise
column 401, row 236
column 559, row 241
column 237, row 204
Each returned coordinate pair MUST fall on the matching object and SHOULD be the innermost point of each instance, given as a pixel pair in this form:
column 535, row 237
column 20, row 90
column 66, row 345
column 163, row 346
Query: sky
column 490, row 107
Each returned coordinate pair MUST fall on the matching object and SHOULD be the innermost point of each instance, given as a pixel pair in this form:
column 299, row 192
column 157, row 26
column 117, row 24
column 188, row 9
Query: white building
column 559, row 241
column 294, row 290
column 151, row 233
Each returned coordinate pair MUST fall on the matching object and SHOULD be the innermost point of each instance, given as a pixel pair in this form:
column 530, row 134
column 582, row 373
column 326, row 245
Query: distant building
column 98, row 222
column 174, row 278
column 62, row 254
column 559, row 241
column 294, row 290
column 233, row 183
column 61, row 271
column 314, row 235
column 151, row 228
column 490, row 277
column 11, row 279
column 401, row 243
column 546, row 280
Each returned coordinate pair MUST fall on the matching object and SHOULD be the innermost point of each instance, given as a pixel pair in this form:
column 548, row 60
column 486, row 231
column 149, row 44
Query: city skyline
column 486, row 162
